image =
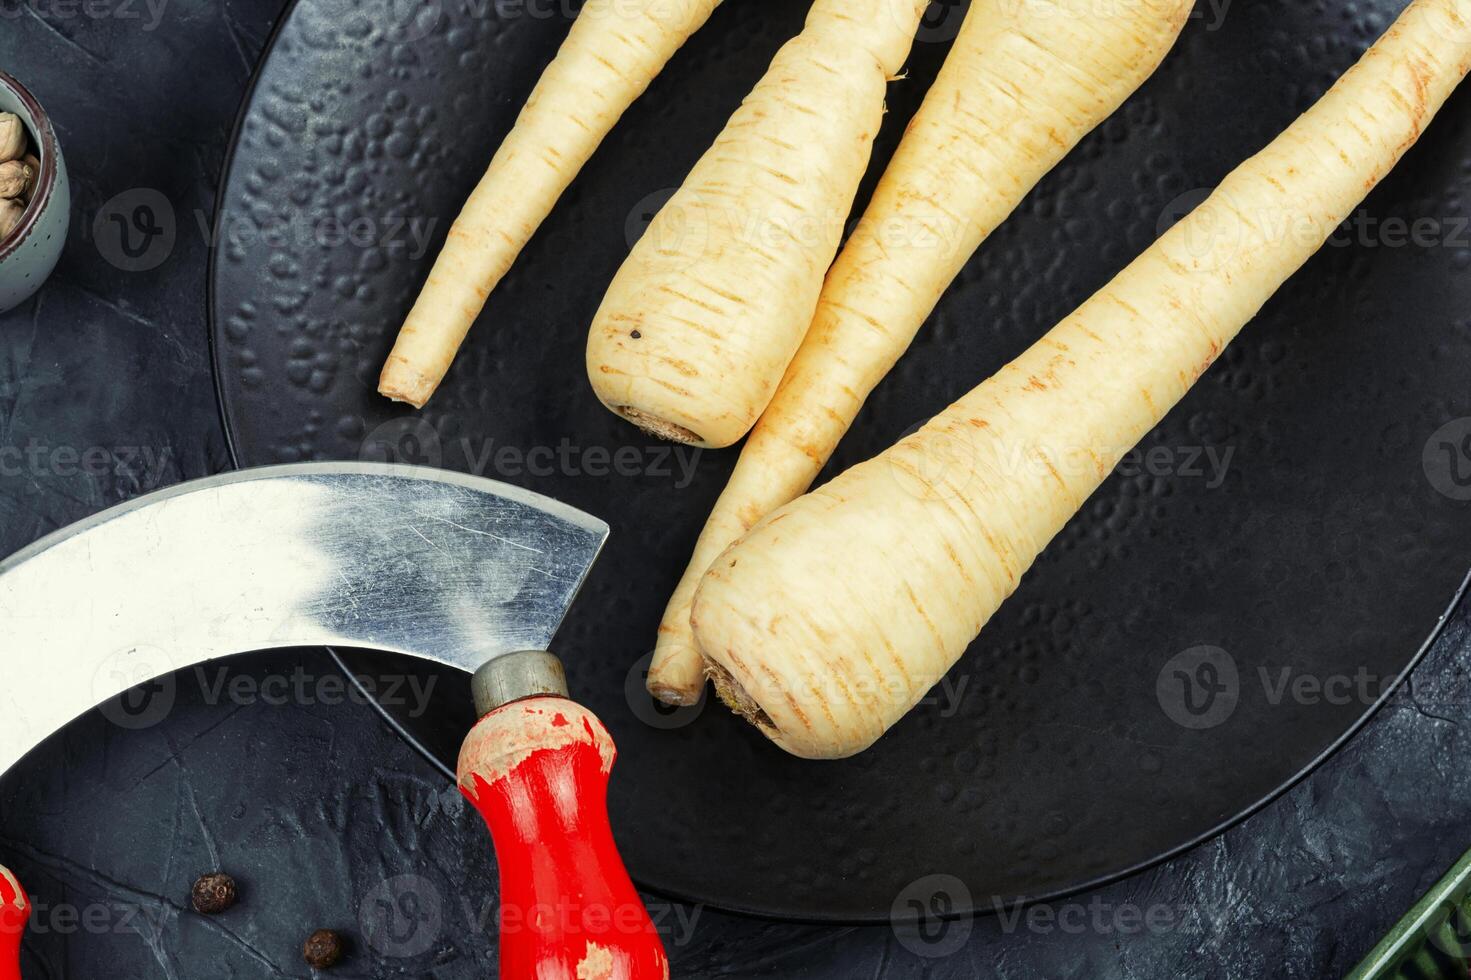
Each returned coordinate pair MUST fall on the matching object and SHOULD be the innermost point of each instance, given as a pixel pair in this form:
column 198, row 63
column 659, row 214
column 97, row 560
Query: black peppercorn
column 214, row 894
column 323, row 949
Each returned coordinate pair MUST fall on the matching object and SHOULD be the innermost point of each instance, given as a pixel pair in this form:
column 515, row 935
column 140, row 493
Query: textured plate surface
column 1224, row 612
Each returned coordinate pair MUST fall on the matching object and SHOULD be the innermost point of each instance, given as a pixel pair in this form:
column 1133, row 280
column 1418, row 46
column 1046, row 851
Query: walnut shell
column 10, row 215
column 16, row 178
column 13, row 139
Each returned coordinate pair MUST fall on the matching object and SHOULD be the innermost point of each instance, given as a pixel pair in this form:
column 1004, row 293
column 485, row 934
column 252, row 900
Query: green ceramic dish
column 1432, row 942
column 29, row 253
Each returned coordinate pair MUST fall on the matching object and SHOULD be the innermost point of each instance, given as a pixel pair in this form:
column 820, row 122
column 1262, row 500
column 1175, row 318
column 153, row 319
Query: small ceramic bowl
column 29, row 253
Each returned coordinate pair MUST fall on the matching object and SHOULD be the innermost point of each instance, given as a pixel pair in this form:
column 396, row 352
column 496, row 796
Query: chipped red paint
column 15, row 910
column 564, row 889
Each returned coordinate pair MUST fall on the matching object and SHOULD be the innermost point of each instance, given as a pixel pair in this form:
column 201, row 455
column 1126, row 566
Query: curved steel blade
column 410, row 560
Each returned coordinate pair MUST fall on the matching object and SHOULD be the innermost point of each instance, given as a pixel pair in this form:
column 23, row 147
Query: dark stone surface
column 329, row 822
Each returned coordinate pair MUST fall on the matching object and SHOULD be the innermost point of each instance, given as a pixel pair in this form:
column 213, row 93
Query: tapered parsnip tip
column 677, row 668
column 675, row 697
column 677, row 671
column 403, row 383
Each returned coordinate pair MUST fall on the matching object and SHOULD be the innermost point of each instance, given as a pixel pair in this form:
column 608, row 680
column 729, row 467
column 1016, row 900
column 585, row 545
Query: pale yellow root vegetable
column 1022, row 85
column 835, row 615
column 614, row 50
column 705, row 315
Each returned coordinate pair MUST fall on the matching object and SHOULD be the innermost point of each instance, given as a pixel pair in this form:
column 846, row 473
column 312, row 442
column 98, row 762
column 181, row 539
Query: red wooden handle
column 15, row 911
column 537, row 770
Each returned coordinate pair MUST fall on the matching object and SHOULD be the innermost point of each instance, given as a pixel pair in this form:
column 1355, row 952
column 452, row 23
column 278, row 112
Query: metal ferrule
column 515, row 677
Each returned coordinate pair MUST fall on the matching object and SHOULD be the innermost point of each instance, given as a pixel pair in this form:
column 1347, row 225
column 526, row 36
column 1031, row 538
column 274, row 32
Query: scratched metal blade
column 410, row 560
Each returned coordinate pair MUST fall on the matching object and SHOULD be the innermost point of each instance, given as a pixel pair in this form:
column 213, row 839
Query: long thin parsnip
column 1022, row 85
column 836, row 614
column 705, row 315
column 615, row 49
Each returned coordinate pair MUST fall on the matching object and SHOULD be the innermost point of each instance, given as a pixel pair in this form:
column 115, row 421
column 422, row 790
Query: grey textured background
column 329, row 821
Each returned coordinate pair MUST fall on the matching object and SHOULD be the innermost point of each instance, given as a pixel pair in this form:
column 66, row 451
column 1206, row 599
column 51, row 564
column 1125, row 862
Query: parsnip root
column 1022, row 85
column 839, row 612
column 705, row 315
column 615, row 49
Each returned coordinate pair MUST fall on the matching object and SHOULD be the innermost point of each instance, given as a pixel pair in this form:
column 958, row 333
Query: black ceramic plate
column 1224, row 612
